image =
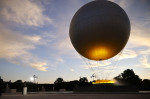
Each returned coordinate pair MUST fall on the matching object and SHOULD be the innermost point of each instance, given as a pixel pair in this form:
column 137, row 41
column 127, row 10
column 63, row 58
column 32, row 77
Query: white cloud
column 144, row 52
column 126, row 54
column 15, row 48
column 123, row 3
column 144, row 62
column 58, row 60
column 13, row 44
column 39, row 66
column 64, row 44
column 72, row 70
column 140, row 37
column 24, row 12
column 63, row 47
column 35, row 39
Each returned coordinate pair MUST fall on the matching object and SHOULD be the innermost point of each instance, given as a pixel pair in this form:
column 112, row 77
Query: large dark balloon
column 99, row 30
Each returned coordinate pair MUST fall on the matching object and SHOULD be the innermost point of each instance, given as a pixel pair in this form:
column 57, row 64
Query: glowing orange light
column 103, row 81
column 99, row 53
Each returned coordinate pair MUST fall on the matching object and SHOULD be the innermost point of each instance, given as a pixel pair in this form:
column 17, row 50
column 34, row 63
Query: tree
column 59, row 80
column 18, row 81
column 129, row 77
column 83, row 80
column 145, row 84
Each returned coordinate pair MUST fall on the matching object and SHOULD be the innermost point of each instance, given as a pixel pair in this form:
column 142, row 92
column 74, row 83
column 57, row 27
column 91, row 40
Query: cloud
column 144, row 62
column 124, row 3
column 13, row 44
column 39, row 66
column 31, row 13
column 23, row 12
column 64, row 45
column 145, row 52
column 58, row 60
column 72, row 70
column 34, row 39
column 60, row 40
column 126, row 54
column 140, row 36
column 15, row 47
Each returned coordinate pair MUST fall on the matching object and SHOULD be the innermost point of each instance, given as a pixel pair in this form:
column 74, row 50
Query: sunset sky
column 34, row 40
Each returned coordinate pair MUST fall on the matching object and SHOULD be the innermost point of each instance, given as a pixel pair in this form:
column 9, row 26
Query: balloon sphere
column 99, row 30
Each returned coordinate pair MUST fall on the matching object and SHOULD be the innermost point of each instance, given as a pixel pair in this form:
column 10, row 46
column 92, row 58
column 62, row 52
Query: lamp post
column 35, row 77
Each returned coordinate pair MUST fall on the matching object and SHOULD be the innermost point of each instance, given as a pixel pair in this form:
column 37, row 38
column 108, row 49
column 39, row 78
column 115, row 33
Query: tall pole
column 35, row 77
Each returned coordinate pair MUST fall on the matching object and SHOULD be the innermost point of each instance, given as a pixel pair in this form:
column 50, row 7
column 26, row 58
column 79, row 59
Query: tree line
column 128, row 77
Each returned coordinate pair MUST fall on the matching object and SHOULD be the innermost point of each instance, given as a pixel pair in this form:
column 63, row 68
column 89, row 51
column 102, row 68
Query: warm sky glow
column 34, row 40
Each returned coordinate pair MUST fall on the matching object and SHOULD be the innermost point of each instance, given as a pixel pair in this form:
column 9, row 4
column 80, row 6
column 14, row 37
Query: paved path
column 76, row 96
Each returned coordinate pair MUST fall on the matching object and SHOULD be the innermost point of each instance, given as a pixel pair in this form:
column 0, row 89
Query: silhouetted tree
column 59, row 80
column 145, row 84
column 16, row 85
column 83, row 80
column 1, row 85
column 129, row 77
column 59, row 84
column 32, row 87
column 18, row 81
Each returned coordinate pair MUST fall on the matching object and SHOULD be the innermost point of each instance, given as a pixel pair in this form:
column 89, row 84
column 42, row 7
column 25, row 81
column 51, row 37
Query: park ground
column 78, row 96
